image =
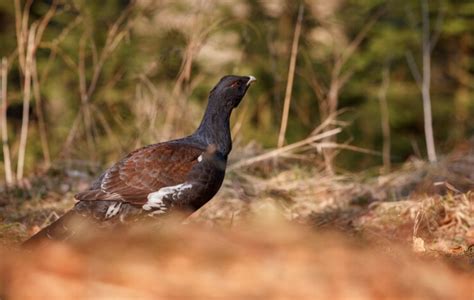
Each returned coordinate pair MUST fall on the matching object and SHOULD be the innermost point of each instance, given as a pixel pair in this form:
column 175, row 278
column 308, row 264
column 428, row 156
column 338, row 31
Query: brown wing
column 144, row 171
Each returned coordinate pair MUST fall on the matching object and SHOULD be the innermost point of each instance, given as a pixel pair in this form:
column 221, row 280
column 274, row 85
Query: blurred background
column 98, row 79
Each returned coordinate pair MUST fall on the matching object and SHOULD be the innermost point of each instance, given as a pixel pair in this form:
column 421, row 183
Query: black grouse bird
column 152, row 181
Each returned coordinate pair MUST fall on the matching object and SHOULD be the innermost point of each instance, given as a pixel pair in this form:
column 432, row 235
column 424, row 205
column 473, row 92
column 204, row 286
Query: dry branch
column 44, row 22
column 339, row 77
column 279, row 151
column 30, row 50
column 385, row 119
column 115, row 35
column 21, row 27
column 291, row 76
column 3, row 123
column 193, row 47
column 41, row 120
column 430, row 147
column 423, row 80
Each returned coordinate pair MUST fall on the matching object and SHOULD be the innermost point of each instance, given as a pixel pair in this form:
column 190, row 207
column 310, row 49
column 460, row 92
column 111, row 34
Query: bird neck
column 215, row 128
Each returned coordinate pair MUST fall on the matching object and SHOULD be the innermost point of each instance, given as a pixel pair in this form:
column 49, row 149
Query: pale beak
column 251, row 79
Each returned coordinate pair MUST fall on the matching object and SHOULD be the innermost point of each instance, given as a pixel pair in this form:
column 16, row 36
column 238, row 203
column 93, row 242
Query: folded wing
column 144, row 171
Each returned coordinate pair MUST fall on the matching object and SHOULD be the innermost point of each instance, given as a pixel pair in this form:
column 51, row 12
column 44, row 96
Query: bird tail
column 60, row 230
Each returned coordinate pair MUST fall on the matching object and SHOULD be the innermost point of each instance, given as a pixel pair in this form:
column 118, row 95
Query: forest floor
column 293, row 232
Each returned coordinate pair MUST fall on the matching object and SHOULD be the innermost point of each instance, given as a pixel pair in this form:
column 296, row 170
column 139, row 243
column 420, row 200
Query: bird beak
column 251, row 79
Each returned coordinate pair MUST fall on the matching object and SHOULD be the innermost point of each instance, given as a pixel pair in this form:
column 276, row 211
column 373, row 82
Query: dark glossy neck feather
column 215, row 127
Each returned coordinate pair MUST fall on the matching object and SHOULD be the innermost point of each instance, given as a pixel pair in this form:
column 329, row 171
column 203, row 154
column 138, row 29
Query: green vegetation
column 115, row 75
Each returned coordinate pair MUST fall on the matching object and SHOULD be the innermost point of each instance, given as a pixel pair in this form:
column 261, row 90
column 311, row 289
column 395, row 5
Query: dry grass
column 294, row 233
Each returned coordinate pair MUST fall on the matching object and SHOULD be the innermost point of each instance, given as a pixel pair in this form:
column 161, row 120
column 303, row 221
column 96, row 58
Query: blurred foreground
column 270, row 260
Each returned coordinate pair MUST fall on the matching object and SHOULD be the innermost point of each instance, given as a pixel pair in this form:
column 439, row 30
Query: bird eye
column 236, row 84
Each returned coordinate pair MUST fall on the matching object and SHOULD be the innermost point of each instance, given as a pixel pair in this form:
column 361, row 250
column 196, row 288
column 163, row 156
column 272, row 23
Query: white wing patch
column 200, row 158
column 113, row 209
column 104, row 180
column 155, row 199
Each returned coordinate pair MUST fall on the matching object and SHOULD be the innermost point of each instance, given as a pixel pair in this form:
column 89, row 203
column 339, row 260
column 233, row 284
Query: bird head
column 230, row 90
